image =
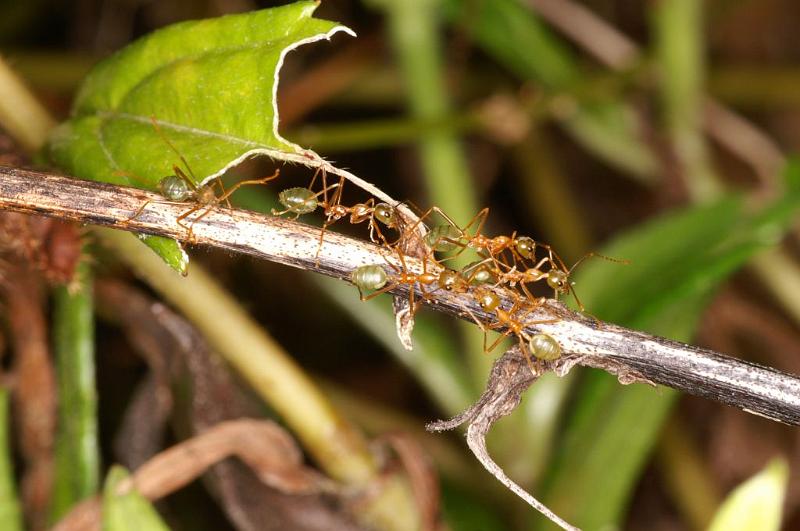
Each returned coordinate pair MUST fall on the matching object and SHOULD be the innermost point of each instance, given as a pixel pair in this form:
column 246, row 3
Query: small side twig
column 631, row 355
column 510, row 377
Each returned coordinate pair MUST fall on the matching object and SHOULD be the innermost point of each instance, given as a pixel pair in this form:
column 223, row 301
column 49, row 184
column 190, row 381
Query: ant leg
column 133, row 179
column 178, row 153
column 527, row 355
column 262, row 180
column 224, row 196
column 138, row 212
column 337, row 198
column 375, row 293
column 179, row 220
column 497, row 341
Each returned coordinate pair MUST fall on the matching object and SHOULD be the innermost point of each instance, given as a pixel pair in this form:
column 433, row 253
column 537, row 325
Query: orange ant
column 448, row 237
column 304, row 201
column 180, row 188
column 537, row 346
column 557, row 276
column 374, row 277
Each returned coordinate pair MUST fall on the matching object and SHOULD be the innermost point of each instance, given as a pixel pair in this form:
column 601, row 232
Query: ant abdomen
column 478, row 273
column 368, row 277
column 443, row 238
column 298, row 200
column 174, row 188
column 544, row 347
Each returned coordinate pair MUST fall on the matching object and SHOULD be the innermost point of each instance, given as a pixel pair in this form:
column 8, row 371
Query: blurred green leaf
column 209, row 85
column 676, row 264
column 463, row 512
column 757, row 503
column 434, row 361
column 127, row 512
column 515, row 37
column 10, row 516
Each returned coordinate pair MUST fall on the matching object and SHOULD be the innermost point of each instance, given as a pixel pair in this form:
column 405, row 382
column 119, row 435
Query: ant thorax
column 206, row 195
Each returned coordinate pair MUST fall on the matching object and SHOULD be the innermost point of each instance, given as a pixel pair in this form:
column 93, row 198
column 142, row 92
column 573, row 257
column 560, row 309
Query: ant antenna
column 167, row 141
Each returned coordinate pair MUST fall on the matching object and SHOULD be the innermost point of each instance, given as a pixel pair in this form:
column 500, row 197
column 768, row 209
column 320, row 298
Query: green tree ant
column 449, row 237
column 363, row 279
column 180, row 188
column 300, row 201
column 515, row 324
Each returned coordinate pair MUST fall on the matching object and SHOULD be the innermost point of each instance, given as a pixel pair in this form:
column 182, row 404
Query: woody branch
column 631, row 355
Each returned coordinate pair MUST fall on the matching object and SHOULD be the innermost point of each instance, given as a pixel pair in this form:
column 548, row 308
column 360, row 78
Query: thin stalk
column 77, row 458
column 678, row 26
column 20, row 114
column 382, row 133
column 415, row 35
column 780, row 273
column 10, row 514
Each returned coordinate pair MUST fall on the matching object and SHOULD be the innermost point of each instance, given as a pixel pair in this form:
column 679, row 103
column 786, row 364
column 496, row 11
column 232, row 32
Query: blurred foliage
column 757, row 503
column 625, row 151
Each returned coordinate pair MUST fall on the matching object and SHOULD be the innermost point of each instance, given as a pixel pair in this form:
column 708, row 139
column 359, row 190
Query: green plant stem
column 10, row 516
column 382, row 133
column 414, row 32
column 415, row 35
column 760, row 88
column 781, row 275
column 678, row 32
column 339, row 449
column 548, row 198
column 77, row 459
column 520, row 41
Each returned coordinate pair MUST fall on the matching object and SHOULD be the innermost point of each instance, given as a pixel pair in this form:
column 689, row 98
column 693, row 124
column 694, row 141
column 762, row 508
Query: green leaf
column 209, row 85
column 130, row 511
column 676, row 264
column 515, row 37
column 757, row 503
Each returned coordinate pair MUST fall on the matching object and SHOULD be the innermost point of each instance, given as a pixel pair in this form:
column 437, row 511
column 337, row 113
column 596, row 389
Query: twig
column 509, row 379
column 631, row 355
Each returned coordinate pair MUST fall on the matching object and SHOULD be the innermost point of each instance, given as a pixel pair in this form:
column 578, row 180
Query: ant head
column 385, row 214
column 449, row 280
column 558, row 280
column 525, row 246
column 488, row 300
